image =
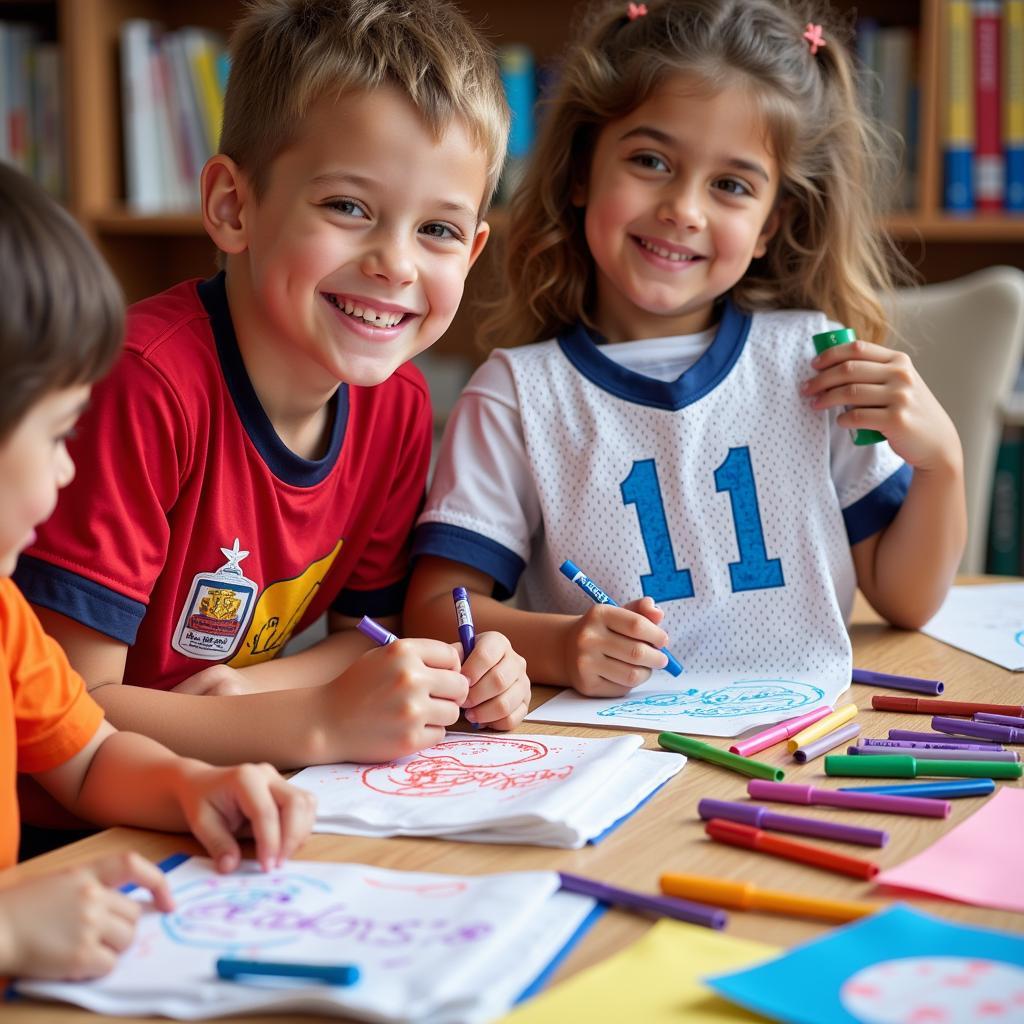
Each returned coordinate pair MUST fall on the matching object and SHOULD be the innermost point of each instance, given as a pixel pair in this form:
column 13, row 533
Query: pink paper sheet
column 977, row 862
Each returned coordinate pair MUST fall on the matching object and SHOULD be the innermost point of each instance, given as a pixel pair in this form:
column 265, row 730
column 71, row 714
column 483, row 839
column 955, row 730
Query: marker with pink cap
column 777, row 733
column 792, row 793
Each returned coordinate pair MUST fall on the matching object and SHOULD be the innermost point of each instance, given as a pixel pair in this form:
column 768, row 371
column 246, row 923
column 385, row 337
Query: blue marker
column 933, row 790
column 467, row 634
column 574, row 573
column 231, row 969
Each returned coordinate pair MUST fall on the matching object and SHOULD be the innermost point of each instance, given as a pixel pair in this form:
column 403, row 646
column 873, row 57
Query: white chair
column 966, row 338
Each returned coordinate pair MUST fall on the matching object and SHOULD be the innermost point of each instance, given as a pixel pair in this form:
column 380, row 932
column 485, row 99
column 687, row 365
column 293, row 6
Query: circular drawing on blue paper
column 744, row 697
column 935, row 990
column 255, row 911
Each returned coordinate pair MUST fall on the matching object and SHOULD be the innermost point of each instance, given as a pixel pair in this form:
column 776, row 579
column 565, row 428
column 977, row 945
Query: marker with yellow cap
column 822, row 727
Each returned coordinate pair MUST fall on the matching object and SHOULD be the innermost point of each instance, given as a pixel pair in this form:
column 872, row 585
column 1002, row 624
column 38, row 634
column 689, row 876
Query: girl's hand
column 74, row 924
column 609, row 650
column 219, row 802
column 884, row 392
column 499, row 688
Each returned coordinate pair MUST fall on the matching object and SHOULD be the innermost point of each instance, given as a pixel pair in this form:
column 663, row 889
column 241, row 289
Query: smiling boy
column 259, row 454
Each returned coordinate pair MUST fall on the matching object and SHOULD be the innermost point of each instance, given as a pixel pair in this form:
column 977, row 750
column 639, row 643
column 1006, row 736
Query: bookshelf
column 150, row 252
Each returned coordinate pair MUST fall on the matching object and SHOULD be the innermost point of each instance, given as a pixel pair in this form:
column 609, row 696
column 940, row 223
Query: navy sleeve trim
column 354, row 604
column 878, row 508
column 472, row 549
column 89, row 603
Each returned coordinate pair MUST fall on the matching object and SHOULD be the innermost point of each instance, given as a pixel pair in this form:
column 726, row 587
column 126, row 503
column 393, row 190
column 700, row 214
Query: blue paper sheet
column 896, row 967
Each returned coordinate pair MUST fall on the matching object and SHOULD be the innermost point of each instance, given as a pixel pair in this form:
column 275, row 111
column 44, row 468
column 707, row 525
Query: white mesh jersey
column 721, row 494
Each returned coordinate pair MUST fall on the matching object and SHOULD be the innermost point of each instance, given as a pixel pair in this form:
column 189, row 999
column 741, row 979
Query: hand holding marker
column 467, row 631
column 576, row 575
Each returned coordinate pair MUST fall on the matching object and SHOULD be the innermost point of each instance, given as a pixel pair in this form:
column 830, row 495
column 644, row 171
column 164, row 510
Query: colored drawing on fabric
column 458, row 767
column 744, row 697
column 262, row 911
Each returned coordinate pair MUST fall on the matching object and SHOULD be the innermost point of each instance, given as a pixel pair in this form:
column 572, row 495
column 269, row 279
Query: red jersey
column 192, row 533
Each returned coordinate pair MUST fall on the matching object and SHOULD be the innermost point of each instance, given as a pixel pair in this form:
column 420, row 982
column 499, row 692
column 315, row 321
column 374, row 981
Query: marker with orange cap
column 722, row 892
column 736, row 834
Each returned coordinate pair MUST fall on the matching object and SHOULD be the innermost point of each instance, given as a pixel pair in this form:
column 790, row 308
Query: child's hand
column 394, row 700
column 74, row 924
column 218, row 802
column 499, row 688
column 884, row 393
column 215, row 681
column 609, row 650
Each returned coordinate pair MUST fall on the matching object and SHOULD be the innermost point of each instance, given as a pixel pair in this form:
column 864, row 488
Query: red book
column 988, row 152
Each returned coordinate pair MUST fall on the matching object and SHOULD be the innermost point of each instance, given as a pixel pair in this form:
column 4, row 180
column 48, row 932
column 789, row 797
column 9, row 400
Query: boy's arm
column 906, row 569
column 314, row 666
column 380, row 708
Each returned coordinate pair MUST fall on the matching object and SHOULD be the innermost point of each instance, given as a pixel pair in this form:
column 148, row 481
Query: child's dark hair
column 63, row 317
column 829, row 252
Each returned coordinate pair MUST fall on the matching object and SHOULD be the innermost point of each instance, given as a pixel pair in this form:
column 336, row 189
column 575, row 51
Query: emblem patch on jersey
column 217, row 610
column 279, row 610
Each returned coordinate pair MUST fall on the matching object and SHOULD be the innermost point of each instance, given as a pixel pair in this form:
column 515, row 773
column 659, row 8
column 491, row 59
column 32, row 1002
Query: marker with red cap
column 926, row 706
column 737, row 834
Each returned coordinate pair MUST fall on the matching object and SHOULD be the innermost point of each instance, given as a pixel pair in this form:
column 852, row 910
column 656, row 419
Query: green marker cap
column 706, row 752
column 829, row 339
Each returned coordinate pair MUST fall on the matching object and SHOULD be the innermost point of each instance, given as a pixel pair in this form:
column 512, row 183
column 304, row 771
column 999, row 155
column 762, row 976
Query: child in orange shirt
column 60, row 331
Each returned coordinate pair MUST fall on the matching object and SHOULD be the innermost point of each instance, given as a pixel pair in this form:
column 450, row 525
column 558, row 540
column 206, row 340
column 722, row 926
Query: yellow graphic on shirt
column 279, row 610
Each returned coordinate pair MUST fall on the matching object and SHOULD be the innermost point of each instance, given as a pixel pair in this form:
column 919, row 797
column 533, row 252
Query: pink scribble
column 441, row 890
column 457, row 765
column 990, row 1008
column 926, row 1015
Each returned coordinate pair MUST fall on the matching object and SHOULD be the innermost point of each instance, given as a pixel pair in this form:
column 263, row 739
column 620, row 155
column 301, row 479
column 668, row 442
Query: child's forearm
column 288, row 728
column 314, row 666
column 916, row 556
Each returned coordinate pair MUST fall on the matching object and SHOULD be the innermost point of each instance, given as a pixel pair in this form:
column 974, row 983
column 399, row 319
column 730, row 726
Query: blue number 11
column 667, row 582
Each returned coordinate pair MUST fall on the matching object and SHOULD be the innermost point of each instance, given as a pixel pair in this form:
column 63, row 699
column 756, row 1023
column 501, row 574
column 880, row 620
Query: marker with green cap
column 706, row 752
column 829, row 339
column 901, row 767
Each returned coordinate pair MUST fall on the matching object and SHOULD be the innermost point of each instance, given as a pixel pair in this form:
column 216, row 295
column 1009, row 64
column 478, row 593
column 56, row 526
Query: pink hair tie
column 635, row 11
column 813, row 37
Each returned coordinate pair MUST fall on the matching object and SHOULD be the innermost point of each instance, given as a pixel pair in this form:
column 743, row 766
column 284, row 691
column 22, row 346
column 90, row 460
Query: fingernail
column 225, row 863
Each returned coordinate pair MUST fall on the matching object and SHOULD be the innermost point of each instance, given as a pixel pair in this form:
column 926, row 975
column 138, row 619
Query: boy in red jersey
column 259, row 454
column 61, row 328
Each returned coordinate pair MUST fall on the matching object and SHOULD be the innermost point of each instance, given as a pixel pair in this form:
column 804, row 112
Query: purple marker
column 915, row 685
column 907, row 734
column 663, row 906
column 817, row 747
column 375, row 631
column 985, row 716
column 791, row 793
column 983, row 730
column 762, row 817
column 939, row 755
column 941, row 742
column 467, row 634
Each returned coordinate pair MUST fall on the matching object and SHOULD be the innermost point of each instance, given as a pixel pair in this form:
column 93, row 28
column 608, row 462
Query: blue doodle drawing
column 1019, row 638
column 221, row 912
column 744, row 697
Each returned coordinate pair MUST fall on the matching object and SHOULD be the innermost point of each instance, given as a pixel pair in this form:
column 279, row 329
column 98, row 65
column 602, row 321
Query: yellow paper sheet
column 656, row 980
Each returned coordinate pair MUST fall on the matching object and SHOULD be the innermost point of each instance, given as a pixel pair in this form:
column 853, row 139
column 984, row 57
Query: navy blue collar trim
column 280, row 459
column 580, row 348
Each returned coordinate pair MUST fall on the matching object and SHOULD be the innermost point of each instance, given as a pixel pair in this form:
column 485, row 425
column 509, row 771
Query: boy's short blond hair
column 286, row 54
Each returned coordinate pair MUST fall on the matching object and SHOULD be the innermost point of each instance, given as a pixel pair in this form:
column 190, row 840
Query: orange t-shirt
column 46, row 713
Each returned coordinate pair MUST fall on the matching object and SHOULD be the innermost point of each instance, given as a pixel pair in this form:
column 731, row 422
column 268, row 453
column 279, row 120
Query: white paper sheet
column 437, row 949
column 708, row 705
column 986, row 621
column 546, row 790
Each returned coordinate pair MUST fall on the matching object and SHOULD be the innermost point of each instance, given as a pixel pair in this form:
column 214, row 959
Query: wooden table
column 665, row 834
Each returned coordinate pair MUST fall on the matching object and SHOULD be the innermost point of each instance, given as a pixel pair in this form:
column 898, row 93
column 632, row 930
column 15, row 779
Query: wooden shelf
column 939, row 227
column 126, row 222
